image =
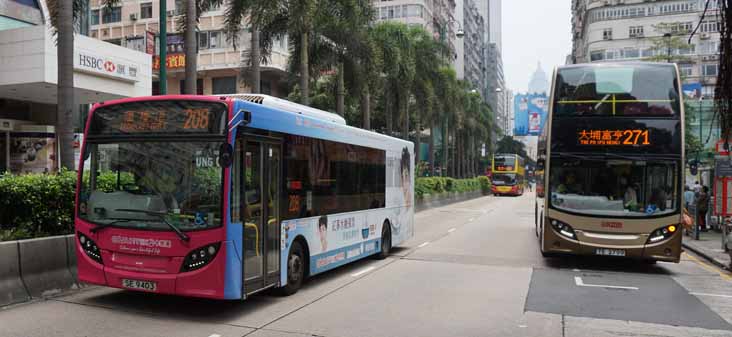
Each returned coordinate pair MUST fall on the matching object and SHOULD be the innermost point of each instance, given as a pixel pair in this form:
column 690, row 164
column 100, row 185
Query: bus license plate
column 610, row 252
column 141, row 285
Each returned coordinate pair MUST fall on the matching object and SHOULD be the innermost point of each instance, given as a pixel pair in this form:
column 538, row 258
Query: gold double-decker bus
column 508, row 174
column 611, row 161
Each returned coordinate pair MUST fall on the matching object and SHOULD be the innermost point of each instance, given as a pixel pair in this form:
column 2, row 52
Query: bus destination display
column 624, row 137
column 157, row 117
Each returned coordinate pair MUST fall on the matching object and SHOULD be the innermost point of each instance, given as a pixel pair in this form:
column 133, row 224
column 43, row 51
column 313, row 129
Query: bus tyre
column 295, row 269
column 385, row 242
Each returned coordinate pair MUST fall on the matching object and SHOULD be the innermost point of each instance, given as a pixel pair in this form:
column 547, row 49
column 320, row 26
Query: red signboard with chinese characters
column 625, row 137
column 173, row 61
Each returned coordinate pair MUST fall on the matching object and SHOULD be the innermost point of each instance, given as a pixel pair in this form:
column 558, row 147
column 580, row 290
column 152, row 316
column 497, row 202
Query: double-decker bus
column 612, row 159
column 509, row 174
column 222, row 197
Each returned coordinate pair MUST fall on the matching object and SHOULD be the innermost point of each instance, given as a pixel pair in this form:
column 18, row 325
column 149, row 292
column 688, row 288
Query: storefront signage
column 149, row 42
column 625, row 137
column 105, row 66
column 173, row 61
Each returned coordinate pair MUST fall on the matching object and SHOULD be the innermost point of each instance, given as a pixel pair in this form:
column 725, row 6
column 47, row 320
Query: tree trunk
column 404, row 112
column 388, row 112
column 431, row 155
column 366, row 107
column 417, row 142
column 445, row 144
column 191, row 49
column 65, row 94
column 340, row 91
column 304, row 71
column 256, row 75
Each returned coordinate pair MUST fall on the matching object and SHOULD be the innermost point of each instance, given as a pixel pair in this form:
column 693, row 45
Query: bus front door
column 261, row 175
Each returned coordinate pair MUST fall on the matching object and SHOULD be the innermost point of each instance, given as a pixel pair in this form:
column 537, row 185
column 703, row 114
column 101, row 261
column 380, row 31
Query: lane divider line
column 364, row 271
column 712, row 295
column 471, row 219
column 423, row 244
column 451, row 230
column 215, row 335
column 578, row 281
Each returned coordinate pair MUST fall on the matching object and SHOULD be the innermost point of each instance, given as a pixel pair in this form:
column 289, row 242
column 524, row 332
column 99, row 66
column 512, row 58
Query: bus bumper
column 668, row 250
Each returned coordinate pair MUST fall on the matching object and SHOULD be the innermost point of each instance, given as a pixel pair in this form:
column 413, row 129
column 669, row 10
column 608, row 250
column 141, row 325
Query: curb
column 707, row 257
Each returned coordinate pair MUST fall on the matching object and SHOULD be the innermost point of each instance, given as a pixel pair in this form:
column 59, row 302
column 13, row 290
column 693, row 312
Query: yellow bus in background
column 508, row 174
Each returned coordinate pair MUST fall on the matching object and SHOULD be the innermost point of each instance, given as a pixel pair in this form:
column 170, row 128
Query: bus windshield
column 501, row 179
column 144, row 184
column 617, row 90
column 504, row 163
column 633, row 188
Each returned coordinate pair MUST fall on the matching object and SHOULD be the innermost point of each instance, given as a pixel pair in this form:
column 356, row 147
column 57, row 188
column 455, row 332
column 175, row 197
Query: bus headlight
column 200, row 257
column 662, row 233
column 90, row 248
column 563, row 228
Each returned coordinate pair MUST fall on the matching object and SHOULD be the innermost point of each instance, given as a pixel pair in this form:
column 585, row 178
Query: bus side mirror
column 226, row 152
column 540, row 163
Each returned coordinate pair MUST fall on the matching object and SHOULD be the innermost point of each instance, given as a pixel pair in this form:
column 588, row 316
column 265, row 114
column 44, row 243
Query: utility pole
column 163, row 40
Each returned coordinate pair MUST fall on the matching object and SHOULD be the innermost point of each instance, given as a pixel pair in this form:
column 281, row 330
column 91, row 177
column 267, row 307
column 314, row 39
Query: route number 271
column 196, row 119
column 632, row 137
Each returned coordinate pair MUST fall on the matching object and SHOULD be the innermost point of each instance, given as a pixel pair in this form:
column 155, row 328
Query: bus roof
column 614, row 64
column 286, row 105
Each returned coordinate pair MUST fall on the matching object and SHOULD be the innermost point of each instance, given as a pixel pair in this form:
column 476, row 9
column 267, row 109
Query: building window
column 635, row 31
column 710, row 69
column 114, row 41
column 146, row 10
column 383, row 13
column 597, row 55
column 391, row 12
column 94, row 18
column 607, row 34
column 110, row 15
column 631, row 53
column 709, row 26
column 707, row 91
column 223, row 85
column 686, row 70
column 709, row 47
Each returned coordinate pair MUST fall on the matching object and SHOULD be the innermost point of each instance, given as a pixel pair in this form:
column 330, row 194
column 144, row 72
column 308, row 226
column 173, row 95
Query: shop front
column 28, row 92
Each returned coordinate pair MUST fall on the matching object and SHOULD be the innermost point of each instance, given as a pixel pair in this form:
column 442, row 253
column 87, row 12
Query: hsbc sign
column 105, row 66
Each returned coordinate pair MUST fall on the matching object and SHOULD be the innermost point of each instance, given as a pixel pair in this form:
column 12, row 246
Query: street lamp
column 459, row 34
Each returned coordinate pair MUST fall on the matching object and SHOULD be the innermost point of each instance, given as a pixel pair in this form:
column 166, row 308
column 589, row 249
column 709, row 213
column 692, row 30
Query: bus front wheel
column 295, row 269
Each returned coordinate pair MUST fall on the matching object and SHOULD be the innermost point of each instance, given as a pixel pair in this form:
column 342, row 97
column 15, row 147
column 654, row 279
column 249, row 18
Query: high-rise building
column 633, row 30
column 134, row 23
column 539, row 83
column 436, row 16
column 469, row 50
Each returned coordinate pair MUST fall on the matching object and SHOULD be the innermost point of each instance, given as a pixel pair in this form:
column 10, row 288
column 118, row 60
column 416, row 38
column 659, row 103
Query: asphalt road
column 472, row 269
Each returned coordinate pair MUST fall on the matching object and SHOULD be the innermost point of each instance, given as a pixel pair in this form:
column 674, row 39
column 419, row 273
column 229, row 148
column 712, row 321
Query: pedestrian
column 697, row 187
column 688, row 196
column 702, row 206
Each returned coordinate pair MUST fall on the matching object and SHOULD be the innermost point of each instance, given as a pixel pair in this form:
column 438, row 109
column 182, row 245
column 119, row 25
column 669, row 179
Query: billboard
column 692, row 90
column 530, row 112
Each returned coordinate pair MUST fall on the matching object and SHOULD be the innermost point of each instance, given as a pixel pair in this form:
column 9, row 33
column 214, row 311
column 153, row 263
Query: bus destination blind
column 159, row 117
column 624, row 137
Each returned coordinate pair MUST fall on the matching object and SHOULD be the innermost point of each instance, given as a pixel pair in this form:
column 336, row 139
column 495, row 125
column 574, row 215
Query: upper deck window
column 617, row 90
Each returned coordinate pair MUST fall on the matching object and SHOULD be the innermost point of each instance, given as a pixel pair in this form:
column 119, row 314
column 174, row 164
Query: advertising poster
column 692, row 90
column 530, row 114
column 32, row 152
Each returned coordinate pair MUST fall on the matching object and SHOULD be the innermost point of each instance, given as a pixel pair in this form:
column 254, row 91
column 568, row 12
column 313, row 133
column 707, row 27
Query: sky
column 534, row 31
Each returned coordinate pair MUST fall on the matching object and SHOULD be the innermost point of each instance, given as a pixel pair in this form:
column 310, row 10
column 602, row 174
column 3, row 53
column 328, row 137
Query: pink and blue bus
column 223, row 197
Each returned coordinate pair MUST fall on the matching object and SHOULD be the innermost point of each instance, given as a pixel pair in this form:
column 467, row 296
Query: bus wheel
column 385, row 242
column 295, row 269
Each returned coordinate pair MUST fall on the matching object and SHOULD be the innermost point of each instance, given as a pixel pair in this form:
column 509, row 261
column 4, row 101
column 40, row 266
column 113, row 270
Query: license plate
column 140, row 285
column 610, row 252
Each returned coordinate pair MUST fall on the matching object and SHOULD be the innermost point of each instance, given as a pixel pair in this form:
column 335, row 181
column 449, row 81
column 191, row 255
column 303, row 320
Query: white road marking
column 471, row 219
column 577, row 270
column 712, row 295
column 215, row 335
column 423, row 244
column 366, row 270
column 451, row 230
column 578, row 282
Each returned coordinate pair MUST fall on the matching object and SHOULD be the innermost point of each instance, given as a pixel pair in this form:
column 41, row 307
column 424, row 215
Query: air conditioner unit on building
column 133, row 16
column 172, row 13
column 706, row 58
column 704, row 36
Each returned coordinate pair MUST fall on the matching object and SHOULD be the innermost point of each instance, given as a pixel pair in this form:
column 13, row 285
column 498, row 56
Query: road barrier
column 44, row 266
column 442, row 199
column 12, row 289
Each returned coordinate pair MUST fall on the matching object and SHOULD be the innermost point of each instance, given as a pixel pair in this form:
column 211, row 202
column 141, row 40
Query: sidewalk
column 709, row 246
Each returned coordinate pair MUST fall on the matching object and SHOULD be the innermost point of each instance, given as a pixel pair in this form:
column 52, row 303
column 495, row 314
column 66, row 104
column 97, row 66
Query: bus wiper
column 161, row 216
column 109, row 224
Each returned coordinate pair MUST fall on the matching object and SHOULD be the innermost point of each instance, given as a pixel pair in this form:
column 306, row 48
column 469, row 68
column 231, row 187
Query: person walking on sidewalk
column 702, row 206
column 688, row 196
